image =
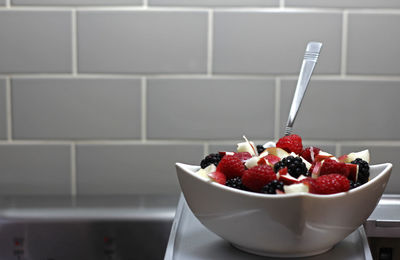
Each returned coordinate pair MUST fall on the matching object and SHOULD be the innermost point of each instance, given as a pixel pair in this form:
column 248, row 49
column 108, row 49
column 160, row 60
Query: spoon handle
column 307, row 68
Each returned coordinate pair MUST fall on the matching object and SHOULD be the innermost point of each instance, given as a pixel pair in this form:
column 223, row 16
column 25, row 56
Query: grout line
column 343, row 65
column 145, row 4
column 8, row 3
column 144, row 109
column 8, row 109
column 206, row 149
column 210, row 42
column 73, row 170
column 338, row 150
column 277, row 108
column 204, row 76
column 74, row 32
column 282, row 4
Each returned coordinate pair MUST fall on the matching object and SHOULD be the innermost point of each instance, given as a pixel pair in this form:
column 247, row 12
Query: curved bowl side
column 286, row 225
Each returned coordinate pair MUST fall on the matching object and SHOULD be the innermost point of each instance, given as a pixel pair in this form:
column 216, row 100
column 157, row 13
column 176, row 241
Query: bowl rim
column 191, row 170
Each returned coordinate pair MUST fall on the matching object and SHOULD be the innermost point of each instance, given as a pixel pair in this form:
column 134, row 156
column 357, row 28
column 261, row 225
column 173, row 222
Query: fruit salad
column 286, row 167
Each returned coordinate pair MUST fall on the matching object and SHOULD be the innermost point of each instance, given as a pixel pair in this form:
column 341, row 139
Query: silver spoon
column 307, row 68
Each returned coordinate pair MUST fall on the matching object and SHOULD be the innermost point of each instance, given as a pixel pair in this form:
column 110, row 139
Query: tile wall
column 102, row 97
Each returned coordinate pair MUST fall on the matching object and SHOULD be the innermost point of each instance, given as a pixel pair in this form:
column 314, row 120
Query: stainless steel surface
column 383, row 229
column 310, row 59
column 189, row 239
column 109, row 228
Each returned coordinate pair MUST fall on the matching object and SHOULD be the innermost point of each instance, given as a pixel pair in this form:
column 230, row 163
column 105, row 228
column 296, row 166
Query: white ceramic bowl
column 287, row 225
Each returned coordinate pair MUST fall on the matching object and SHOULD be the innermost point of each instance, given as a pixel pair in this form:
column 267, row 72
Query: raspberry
column 290, row 143
column 231, row 166
column 311, row 184
column 363, row 170
column 331, row 166
column 331, row 183
column 243, row 156
column 257, row 177
column 212, row 158
column 307, row 153
column 236, row 183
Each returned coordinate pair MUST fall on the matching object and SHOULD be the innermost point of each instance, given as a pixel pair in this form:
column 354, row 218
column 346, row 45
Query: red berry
column 290, row 143
column 311, row 184
column 331, row 166
column 309, row 153
column 231, row 166
column 331, row 183
column 243, row 156
column 258, row 176
column 218, row 177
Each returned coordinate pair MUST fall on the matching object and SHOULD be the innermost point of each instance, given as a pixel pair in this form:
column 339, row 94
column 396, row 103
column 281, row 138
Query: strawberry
column 331, row 166
column 309, row 153
column 218, row 177
column 331, row 183
column 231, row 166
column 290, row 143
column 257, row 177
column 243, row 156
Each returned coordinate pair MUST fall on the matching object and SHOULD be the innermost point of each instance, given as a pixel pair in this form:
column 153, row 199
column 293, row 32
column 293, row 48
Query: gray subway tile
column 343, row 3
column 252, row 3
column 2, row 2
column 373, row 44
column 142, row 42
column 35, row 169
column 77, row 2
column 3, row 109
column 76, row 108
column 263, row 42
column 35, row 42
column 381, row 154
column 132, row 169
column 210, row 108
column 345, row 110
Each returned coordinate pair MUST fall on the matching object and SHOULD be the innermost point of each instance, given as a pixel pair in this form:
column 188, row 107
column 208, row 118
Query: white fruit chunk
column 253, row 161
column 247, row 146
column 296, row 188
column 364, row 155
column 269, row 144
column 204, row 172
column 278, row 152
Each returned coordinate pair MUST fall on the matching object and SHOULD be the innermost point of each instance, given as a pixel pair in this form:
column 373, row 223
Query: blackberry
column 295, row 166
column 260, row 148
column 354, row 184
column 363, row 170
column 271, row 187
column 212, row 158
column 236, row 183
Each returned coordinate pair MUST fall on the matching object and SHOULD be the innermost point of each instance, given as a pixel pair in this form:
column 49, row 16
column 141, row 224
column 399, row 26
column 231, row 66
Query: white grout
column 281, row 3
column 277, row 120
column 204, row 76
column 210, row 42
column 343, row 65
column 8, row 109
column 338, row 150
column 73, row 170
column 8, row 3
column 206, row 149
column 145, row 4
column 144, row 109
column 74, row 32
